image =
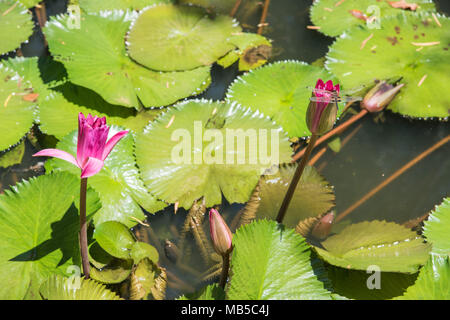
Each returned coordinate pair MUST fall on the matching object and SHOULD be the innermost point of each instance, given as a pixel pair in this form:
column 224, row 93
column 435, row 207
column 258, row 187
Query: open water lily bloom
column 93, row 146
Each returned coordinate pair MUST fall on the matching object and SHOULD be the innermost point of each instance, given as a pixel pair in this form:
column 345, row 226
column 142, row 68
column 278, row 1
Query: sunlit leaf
column 101, row 5
column 61, row 288
column 95, row 57
column 437, row 227
column 15, row 23
column 334, row 17
column 272, row 262
column 114, row 238
column 387, row 245
column 411, row 47
column 179, row 164
column 169, row 37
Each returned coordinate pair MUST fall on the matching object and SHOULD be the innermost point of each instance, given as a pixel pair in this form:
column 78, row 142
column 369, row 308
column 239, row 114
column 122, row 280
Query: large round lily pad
column 281, row 91
column 191, row 151
column 95, row 57
column 389, row 246
column 17, row 107
column 169, row 37
column 412, row 47
column 334, row 16
column 15, row 23
column 312, row 197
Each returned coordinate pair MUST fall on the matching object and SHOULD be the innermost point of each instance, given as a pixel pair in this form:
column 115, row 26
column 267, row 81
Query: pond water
column 375, row 148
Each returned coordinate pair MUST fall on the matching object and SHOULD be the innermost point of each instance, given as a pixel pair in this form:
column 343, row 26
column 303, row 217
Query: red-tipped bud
column 322, row 109
column 220, row 233
column 380, row 96
column 323, row 228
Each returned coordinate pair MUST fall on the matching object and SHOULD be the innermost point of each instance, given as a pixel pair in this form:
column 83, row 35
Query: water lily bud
column 323, row 228
column 322, row 109
column 220, row 233
column 380, row 96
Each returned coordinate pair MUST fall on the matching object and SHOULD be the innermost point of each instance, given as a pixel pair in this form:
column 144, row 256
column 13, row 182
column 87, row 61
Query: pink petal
column 92, row 167
column 112, row 142
column 56, row 153
column 329, row 85
column 320, row 85
column 336, row 88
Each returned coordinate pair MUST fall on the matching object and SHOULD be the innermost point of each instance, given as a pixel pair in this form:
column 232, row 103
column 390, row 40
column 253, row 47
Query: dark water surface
column 378, row 147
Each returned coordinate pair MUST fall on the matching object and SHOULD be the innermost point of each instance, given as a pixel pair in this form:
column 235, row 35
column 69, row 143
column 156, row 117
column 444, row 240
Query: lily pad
column 436, row 228
column 253, row 50
column 13, row 156
column 118, row 185
column 101, row 5
column 390, row 246
column 169, row 37
column 191, row 151
column 280, row 90
column 114, row 238
column 15, row 23
column 142, row 250
column 433, row 282
column 413, row 47
column 117, row 271
column 61, row 288
column 17, row 113
column 312, row 197
column 38, row 233
column 210, row 292
column 334, row 17
column 95, row 57
column 270, row 262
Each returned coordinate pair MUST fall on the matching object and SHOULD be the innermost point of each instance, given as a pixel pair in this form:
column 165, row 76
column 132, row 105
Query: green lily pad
column 253, row 50
column 210, row 292
column 100, row 5
column 13, row 156
column 16, row 113
column 280, row 90
column 95, row 57
column 433, row 282
column 393, row 52
column 142, row 250
column 61, row 288
column 143, row 279
column 390, row 246
column 117, row 271
column 436, row 228
column 312, row 197
column 118, row 185
column 169, row 37
column 270, row 262
column 183, row 155
column 334, row 17
column 15, row 23
column 98, row 257
column 114, row 238
column 38, row 233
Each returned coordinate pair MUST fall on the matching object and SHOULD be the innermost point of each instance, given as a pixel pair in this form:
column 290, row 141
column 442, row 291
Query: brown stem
column 263, row 16
column 83, row 229
column 41, row 15
column 296, row 179
column 337, row 130
column 225, row 268
column 400, row 171
column 235, row 8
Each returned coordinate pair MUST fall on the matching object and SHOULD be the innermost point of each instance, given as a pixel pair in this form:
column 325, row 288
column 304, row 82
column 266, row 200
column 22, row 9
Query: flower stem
column 296, row 179
column 83, row 229
column 225, row 268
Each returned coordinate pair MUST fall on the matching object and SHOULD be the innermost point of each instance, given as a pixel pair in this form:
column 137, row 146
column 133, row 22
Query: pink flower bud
column 322, row 109
column 380, row 96
column 323, row 228
column 220, row 233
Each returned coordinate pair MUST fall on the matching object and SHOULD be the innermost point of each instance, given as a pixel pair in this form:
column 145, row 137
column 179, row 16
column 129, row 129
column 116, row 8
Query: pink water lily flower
column 220, row 233
column 92, row 147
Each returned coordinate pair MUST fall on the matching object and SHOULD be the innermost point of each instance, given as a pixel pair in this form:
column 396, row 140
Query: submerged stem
column 296, row 179
column 83, row 229
column 225, row 268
